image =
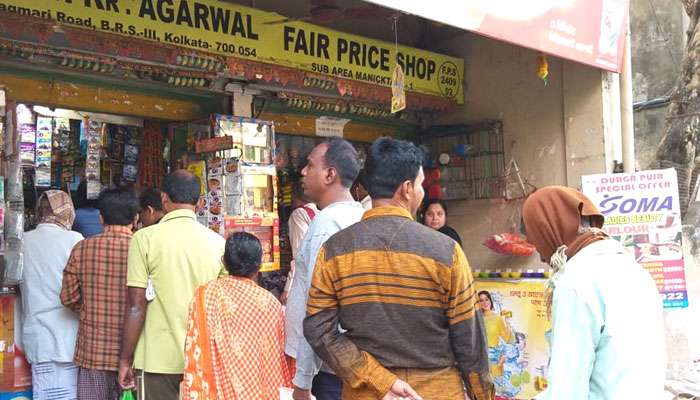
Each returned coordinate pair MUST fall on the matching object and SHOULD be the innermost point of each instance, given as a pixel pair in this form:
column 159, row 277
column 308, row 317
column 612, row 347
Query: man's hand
column 126, row 375
column 401, row 390
column 284, row 297
column 133, row 324
column 301, row 394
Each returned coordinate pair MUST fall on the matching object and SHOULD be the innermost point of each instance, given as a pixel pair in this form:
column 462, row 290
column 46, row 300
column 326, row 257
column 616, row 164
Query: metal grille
column 477, row 161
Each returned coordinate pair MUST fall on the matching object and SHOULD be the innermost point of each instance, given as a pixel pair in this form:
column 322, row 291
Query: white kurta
column 49, row 330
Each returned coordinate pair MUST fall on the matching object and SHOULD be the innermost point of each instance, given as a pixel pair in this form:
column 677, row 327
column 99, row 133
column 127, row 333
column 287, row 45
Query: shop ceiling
column 360, row 18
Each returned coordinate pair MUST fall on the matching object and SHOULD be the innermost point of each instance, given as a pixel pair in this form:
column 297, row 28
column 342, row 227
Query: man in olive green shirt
column 167, row 262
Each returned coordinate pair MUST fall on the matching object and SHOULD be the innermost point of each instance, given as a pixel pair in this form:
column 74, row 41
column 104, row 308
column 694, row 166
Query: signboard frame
column 246, row 33
column 642, row 211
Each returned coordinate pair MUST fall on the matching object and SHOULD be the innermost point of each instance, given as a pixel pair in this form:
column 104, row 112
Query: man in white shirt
column 49, row 330
column 332, row 168
column 299, row 221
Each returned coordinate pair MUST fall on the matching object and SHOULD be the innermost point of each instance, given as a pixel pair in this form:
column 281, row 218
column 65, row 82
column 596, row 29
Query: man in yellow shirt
column 167, row 262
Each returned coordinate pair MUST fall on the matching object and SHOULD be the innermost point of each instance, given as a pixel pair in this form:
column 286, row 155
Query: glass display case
column 238, row 176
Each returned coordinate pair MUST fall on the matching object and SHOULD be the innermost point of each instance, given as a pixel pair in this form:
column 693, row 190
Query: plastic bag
column 514, row 185
column 127, row 395
column 509, row 244
column 14, row 225
column 286, row 394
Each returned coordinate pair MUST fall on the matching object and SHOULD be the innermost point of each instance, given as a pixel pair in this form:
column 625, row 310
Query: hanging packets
column 92, row 163
column 131, row 155
column 215, row 195
column 61, row 134
column 199, row 169
column 233, row 187
column 130, row 172
column 27, row 149
column 398, row 93
column 44, row 131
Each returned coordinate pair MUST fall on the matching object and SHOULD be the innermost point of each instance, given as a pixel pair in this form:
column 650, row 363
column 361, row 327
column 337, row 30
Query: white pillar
column 612, row 125
column 626, row 111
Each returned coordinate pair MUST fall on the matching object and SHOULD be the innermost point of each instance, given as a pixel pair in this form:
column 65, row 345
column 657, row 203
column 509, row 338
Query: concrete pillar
column 626, row 108
column 611, row 118
column 586, row 131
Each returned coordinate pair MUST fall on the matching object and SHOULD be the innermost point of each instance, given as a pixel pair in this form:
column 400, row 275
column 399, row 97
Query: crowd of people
column 380, row 306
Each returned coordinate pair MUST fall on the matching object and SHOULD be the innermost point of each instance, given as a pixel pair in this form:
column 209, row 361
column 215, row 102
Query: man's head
column 181, row 189
column 242, row 255
column 81, row 200
column 393, row 171
column 118, row 207
column 332, row 167
column 556, row 215
column 151, row 207
column 55, row 207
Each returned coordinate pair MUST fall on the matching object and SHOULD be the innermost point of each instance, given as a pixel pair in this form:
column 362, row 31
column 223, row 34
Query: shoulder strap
column 199, row 365
column 309, row 211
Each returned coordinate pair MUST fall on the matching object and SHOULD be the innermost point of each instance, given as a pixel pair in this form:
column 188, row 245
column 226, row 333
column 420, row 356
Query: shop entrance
column 60, row 148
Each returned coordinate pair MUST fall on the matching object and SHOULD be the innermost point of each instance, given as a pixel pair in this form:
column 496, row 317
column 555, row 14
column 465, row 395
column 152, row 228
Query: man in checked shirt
column 94, row 285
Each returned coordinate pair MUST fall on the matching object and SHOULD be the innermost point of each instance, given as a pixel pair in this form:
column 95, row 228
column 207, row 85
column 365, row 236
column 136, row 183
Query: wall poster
column 515, row 316
column 642, row 211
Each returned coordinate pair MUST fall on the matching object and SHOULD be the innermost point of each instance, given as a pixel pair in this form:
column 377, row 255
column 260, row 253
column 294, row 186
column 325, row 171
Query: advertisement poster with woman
column 515, row 315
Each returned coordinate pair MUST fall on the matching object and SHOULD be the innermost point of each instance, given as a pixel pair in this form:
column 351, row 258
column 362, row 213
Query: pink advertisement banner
column 642, row 211
column 586, row 31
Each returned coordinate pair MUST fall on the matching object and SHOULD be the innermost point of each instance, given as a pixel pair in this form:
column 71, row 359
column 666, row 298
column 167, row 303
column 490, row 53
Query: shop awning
column 180, row 36
column 587, row 31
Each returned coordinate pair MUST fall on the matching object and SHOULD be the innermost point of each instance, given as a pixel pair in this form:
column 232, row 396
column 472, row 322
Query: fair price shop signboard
column 228, row 29
column 642, row 212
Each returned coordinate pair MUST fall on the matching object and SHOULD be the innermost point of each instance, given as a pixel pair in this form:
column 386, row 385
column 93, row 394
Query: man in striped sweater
column 403, row 292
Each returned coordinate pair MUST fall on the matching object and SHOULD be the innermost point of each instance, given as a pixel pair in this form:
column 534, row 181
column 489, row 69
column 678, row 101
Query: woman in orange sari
column 235, row 333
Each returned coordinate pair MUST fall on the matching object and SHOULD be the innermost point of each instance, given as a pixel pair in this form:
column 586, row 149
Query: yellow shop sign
column 233, row 30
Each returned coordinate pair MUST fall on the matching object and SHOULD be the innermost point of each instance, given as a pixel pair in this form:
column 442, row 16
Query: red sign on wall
column 213, row 144
column 587, row 31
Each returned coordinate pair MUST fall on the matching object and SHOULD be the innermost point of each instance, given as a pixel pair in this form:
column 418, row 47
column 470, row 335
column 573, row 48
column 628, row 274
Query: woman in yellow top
column 496, row 329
